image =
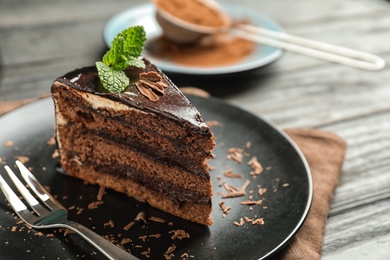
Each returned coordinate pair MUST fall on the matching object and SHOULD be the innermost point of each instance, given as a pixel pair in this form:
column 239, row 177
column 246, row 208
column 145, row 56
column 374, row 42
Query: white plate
column 145, row 15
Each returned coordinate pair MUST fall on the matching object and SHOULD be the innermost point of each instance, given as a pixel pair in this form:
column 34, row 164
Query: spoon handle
column 311, row 48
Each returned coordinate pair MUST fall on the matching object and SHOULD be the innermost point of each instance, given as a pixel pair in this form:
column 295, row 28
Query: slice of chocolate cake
column 148, row 141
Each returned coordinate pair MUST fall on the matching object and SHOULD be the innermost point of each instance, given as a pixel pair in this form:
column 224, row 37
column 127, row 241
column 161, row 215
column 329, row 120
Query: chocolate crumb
column 55, row 154
column 51, row 141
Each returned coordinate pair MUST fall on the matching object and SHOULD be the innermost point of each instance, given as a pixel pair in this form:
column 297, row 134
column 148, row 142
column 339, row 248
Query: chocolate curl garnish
column 151, row 85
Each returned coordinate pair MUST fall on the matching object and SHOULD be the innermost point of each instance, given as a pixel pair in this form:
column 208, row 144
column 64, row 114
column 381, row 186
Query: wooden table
column 40, row 40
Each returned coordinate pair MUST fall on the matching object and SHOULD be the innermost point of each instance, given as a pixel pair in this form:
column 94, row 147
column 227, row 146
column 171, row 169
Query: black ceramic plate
column 26, row 131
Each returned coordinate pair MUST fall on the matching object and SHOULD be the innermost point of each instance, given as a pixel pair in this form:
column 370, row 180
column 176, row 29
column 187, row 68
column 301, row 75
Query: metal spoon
column 182, row 32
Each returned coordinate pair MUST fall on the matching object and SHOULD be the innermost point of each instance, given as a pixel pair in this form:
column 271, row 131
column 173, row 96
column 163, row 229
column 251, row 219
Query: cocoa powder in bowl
column 192, row 11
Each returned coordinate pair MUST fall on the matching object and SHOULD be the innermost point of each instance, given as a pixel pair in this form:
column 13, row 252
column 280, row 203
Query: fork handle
column 110, row 250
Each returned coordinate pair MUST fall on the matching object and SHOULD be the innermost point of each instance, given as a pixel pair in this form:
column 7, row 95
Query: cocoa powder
column 191, row 11
column 214, row 51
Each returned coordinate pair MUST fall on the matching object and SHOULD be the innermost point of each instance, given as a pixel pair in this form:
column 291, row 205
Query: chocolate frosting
column 172, row 103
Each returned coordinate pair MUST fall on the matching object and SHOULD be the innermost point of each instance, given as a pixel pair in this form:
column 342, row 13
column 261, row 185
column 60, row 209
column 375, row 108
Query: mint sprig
column 125, row 50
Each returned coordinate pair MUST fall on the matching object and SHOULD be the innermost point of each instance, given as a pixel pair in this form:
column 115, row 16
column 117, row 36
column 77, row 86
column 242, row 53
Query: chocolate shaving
column 110, row 223
column 155, row 235
column 147, row 92
column 248, row 220
column 179, row 234
column 236, row 154
column 258, row 221
column 230, row 188
column 168, row 254
column 150, row 75
column 156, row 219
column 157, row 88
column 245, row 185
column 251, row 202
column 221, row 183
column 95, row 204
column 262, row 191
column 234, row 194
column 230, row 174
column 128, row 226
column 256, row 166
column 141, row 217
column 125, row 241
column 151, row 85
column 224, row 209
column 101, row 193
column 143, row 238
column 146, row 253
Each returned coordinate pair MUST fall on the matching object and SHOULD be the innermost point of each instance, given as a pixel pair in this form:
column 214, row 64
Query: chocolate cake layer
column 196, row 212
column 118, row 159
column 173, row 104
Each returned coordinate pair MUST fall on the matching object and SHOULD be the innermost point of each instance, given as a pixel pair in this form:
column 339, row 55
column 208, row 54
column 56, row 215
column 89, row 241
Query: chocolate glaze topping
column 172, row 103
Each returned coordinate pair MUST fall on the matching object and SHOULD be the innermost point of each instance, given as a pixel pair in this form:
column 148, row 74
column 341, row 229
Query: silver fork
column 54, row 215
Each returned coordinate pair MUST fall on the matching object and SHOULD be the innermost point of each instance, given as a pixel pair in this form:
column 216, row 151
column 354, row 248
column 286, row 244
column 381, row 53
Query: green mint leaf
column 113, row 80
column 125, row 50
column 126, row 46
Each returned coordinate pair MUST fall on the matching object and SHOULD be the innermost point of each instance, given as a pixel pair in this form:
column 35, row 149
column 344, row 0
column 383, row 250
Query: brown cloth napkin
column 325, row 153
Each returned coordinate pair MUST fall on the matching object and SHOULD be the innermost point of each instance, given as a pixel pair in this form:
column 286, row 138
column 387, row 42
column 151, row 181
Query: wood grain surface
column 40, row 40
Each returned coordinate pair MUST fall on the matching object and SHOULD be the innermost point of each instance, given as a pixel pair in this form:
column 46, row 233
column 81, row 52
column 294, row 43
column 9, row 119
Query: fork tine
column 35, row 205
column 37, row 187
column 15, row 202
